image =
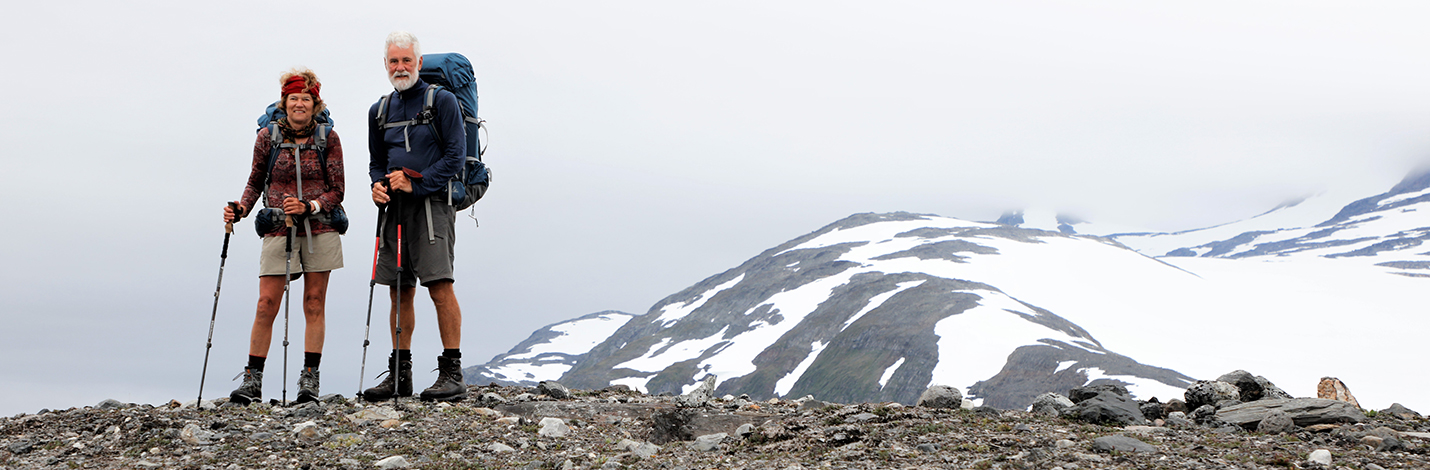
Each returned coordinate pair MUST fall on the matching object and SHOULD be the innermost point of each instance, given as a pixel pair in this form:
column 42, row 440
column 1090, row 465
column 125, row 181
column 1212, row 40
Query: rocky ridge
column 1239, row 422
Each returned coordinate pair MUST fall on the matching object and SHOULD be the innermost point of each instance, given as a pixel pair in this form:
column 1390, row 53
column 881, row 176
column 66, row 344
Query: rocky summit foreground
column 551, row 427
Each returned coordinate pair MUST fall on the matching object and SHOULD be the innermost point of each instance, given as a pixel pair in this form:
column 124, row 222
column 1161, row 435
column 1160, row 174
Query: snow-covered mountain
column 876, row 307
column 1386, row 230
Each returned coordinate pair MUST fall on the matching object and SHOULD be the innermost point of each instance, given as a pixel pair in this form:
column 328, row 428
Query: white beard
column 402, row 80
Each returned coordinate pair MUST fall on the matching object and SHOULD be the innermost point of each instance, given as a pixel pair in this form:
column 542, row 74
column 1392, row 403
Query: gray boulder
column 1246, row 385
column 1303, row 411
column 110, row 404
column 553, row 389
column 1210, row 392
column 701, row 395
column 1104, row 405
column 1050, row 404
column 941, row 396
column 709, row 442
column 1121, row 443
column 1151, row 410
column 1276, row 422
column 1077, row 395
column 1400, row 411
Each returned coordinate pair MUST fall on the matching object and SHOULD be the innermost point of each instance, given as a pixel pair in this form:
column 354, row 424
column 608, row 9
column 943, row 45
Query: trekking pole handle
column 228, row 228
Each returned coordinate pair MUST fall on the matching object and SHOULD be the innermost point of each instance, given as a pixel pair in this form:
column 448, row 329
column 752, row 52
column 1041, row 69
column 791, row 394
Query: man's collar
column 416, row 89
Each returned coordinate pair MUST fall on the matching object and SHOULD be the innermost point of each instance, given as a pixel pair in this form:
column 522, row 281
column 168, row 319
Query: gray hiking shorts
column 327, row 254
column 427, row 255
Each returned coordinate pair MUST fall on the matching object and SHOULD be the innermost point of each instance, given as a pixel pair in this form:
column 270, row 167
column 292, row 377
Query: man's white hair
column 402, row 39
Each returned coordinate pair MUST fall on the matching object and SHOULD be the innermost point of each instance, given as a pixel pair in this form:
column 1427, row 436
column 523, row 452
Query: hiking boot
column 307, row 386
column 384, row 390
column 449, row 386
column 251, row 390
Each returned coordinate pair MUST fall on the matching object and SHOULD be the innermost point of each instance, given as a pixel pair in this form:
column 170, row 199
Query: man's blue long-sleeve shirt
column 415, row 147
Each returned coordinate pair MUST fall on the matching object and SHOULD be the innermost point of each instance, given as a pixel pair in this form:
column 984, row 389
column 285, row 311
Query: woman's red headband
column 297, row 84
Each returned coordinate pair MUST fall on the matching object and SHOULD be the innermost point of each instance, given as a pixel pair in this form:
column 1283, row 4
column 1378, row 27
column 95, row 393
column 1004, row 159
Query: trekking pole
column 362, row 370
column 222, row 259
column 397, row 331
column 287, row 299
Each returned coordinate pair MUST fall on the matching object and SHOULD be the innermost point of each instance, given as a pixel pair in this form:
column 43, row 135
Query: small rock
column 396, row 461
column 146, row 464
column 1050, row 404
column 940, row 396
column 617, row 388
column 745, row 430
column 967, row 404
column 391, row 423
column 1320, row 456
column 488, row 412
column 491, row 399
column 1064, row 443
column 709, row 442
column 512, row 420
column 262, row 436
column 642, row 449
column 20, row 447
column 308, row 432
column 1372, row 441
column 927, row 448
column 553, row 389
column 812, row 404
column 863, row 417
column 377, row 413
column 110, row 404
column 1121, row 444
column 553, row 427
column 345, row 463
column 1371, row 466
column 308, row 411
column 499, row 448
column 1022, row 427
column 1246, row 385
column 1276, row 422
column 195, row 435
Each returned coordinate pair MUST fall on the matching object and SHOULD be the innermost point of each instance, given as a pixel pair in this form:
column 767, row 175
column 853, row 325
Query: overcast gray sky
column 639, row 147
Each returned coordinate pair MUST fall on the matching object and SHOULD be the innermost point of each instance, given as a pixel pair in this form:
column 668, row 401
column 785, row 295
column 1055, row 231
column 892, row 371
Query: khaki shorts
column 327, row 254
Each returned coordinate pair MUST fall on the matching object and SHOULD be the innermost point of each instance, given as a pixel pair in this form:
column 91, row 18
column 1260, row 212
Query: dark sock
column 311, row 359
column 452, row 353
column 256, row 362
column 404, row 354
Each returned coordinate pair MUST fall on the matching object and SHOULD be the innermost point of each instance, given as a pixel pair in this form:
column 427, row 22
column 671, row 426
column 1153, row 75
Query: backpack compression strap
column 427, row 116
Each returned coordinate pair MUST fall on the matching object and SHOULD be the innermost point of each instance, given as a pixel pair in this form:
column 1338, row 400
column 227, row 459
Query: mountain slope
column 875, row 307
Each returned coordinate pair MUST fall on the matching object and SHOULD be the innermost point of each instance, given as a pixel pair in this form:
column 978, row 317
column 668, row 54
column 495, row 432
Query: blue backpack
column 453, row 72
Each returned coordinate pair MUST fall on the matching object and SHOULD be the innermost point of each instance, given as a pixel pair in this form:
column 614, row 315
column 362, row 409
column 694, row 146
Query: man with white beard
column 414, row 151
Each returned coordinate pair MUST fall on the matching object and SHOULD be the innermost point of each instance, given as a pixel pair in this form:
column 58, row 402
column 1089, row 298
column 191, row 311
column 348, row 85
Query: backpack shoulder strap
column 275, row 138
column 382, row 107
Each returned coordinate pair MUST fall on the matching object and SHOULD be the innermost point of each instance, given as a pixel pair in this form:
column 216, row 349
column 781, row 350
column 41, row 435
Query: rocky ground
column 550, row 427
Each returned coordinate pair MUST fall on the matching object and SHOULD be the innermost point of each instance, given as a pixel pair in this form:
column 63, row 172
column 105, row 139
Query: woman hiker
column 316, row 248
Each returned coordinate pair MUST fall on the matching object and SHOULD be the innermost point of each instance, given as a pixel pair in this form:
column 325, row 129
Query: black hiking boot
column 307, row 386
column 251, row 390
column 384, row 390
column 449, row 386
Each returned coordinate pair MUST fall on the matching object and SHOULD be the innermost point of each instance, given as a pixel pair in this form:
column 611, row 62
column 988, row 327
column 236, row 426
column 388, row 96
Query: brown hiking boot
column 449, row 386
column 384, row 390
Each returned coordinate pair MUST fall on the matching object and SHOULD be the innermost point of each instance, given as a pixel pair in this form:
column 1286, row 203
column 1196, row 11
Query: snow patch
column 577, row 337
column 674, row 312
column 659, row 356
column 1140, row 388
column 1062, row 366
column 784, row 384
column 884, row 379
column 974, row 345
